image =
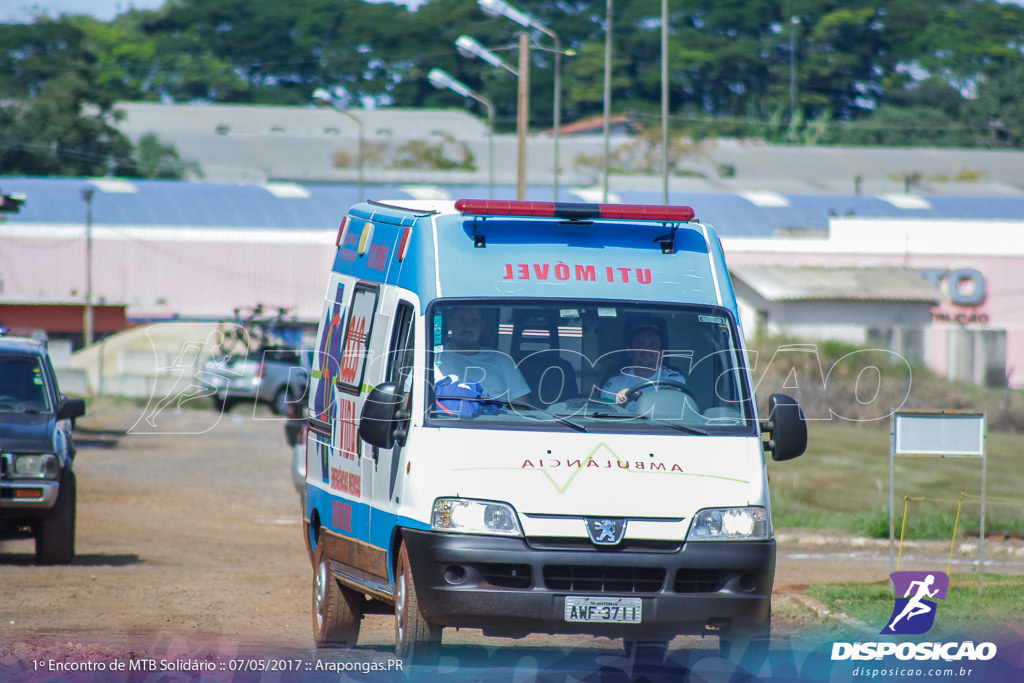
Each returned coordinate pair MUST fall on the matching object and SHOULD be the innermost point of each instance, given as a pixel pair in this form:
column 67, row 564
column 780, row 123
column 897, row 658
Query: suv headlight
column 474, row 517
column 37, row 466
column 730, row 524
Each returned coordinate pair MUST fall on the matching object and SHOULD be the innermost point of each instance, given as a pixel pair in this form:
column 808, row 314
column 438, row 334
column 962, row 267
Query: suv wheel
column 55, row 533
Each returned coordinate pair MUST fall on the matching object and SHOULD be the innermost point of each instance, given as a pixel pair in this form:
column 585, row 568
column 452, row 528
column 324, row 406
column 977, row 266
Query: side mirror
column 70, row 408
column 786, row 427
column 380, row 424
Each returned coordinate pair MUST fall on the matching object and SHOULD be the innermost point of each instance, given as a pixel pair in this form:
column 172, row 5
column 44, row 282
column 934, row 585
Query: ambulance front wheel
column 337, row 609
column 415, row 639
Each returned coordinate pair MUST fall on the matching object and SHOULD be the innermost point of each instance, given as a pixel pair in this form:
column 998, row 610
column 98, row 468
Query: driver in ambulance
column 645, row 365
column 464, row 360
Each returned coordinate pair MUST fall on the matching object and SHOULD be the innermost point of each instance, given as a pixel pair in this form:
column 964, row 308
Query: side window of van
column 357, row 339
column 400, row 355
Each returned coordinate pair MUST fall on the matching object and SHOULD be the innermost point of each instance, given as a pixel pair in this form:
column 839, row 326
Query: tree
column 60, row 117
column 914, row 126
column 997, row 116
column 58, row 122
column 893, row 70
column 156, row 159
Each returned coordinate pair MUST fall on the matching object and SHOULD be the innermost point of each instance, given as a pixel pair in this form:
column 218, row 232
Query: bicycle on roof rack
column 250, row 330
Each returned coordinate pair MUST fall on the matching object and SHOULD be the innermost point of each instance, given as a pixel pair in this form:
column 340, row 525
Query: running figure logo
column 914, row 613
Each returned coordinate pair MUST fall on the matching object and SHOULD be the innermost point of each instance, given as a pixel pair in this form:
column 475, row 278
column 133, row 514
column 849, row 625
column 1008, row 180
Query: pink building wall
column 991, row 250
column 161, row 273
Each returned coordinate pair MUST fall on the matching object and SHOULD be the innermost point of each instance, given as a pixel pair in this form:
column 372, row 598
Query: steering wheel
column 670, row 383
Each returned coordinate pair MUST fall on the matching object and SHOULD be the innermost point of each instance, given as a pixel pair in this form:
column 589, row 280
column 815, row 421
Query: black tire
column 223, row 405
column 55, row 533
column 746, row 646
column 337, row 609
column 415, row 639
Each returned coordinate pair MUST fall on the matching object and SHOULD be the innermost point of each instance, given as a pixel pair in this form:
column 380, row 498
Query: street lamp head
column 500, row 8
column 442, row 80
column 322, row 98
column 470, row 47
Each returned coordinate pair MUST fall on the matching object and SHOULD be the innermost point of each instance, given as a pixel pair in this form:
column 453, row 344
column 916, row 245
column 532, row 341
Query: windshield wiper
column 675, row 425
column 518, row 405
column 629, row 416
column 613, row 416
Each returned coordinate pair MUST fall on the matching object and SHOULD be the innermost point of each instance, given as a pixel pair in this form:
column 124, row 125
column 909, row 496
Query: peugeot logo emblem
column 605, row 530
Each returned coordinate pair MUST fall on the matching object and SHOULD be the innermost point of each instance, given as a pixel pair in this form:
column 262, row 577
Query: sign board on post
column 937, row 434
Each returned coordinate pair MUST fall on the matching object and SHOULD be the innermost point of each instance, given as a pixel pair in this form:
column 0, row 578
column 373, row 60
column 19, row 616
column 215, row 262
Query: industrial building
column 824, row 243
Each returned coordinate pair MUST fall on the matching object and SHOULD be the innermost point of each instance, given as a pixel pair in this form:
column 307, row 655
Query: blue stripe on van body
column 368, row 524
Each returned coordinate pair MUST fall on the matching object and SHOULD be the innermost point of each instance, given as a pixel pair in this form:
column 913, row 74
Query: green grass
column 842, row 483
column 963, row 610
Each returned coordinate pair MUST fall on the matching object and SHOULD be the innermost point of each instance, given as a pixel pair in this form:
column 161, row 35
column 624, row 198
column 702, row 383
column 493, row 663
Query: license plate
column 603, row 610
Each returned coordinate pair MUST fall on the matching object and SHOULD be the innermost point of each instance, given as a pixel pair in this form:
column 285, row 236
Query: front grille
column 506, row 575
column 698, row 581
column 628, row 545
column 584, row 579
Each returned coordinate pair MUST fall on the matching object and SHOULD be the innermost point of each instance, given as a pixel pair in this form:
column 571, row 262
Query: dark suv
column 37, row 483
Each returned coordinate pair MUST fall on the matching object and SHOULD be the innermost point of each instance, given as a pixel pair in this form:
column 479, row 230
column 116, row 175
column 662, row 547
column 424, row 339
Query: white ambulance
column 532, row 417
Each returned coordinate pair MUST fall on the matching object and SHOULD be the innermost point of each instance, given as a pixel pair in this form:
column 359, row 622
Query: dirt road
column 189, row 546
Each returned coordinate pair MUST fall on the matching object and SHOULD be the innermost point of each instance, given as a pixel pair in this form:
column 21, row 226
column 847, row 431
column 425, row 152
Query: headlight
column 474, row 517
column 38, row 466
column 730, row 524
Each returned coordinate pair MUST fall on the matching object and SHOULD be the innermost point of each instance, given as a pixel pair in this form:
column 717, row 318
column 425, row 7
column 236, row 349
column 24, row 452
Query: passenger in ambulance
column 464, row 360
column 645, row 364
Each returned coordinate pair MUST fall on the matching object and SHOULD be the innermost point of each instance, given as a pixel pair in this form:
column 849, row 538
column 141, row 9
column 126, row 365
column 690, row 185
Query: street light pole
column 607, row 97
column 502, row 8
column 323, row 98
column 442, row 79
column 558, row 104
column 664, row 102
column 469, row 47
column 523, row 112
column 87, row 321
column 794, row 22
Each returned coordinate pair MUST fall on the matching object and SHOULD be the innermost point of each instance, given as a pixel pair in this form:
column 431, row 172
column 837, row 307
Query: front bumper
column 28, row 494
column 505, row 587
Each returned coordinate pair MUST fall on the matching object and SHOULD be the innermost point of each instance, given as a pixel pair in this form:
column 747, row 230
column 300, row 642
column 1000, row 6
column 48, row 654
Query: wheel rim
column 400, row 611
column 321, row 594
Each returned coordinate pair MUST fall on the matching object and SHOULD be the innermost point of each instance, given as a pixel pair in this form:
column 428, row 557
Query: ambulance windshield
column 586, row 365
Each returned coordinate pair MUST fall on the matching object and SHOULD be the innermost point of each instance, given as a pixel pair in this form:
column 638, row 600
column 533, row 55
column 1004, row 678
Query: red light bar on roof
column 574, row 211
